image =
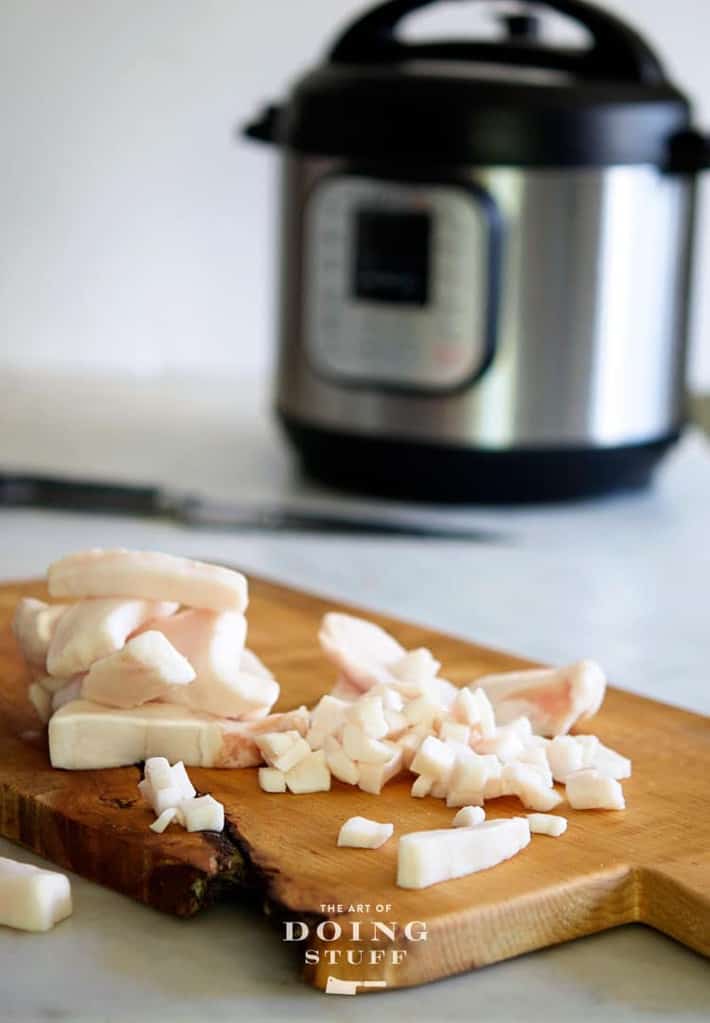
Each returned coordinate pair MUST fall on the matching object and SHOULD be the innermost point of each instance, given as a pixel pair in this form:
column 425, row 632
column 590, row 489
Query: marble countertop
column 625, row 580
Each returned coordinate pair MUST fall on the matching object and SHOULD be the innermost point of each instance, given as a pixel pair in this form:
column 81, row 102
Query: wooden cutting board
column 650, row 863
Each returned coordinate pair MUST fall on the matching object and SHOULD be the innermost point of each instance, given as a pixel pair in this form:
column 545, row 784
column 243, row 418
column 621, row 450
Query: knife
column 18, row 490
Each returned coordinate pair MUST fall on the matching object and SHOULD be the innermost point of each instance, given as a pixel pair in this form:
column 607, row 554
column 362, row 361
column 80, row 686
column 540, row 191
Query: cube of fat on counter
column 309, row 775
column 164, row 820
column 421, row 786
column 372, row 777
column 590, row 790
column 469, row 817
column 32, row 899
column 41, row 700
column 272, row 780
column 273, row 744
column 282, row 750
column 362, row 833
column 434, row 758
column 340, row 765
column 202, row 814
column 547, row 824
column 158, row 773
column 454, row 731
column 363, row 748
column 428, row 857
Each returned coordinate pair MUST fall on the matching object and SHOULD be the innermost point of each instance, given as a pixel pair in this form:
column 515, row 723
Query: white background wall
column 135, row 233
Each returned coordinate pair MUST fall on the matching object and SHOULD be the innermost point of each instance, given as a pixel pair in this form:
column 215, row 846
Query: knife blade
column 22, row 490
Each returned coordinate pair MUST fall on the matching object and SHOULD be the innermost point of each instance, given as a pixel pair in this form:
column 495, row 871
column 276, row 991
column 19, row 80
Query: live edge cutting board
column 650, row 863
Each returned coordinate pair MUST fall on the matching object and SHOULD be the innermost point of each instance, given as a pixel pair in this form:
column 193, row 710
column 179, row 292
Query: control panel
column 397, row 282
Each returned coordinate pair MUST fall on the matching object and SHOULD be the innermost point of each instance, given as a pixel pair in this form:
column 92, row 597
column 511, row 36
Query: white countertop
column 625, row 580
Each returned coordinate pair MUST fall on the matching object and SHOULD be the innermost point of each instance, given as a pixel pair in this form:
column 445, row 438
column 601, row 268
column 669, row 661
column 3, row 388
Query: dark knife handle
column 17, row 491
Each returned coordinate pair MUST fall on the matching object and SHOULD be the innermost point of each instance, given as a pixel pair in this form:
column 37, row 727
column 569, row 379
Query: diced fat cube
column 391, row 699
column 159, row 774
column 547, row 824
column 612, row 764
column 89, row 736
column 327, row 718
column 368, row 714
column 299, row 750
column 164, row 819
column 589, row 744
column 440, row 690
column 599, row 757
column 282, row 750
column 41, row 701
column 439, row 788
column 486, row 718
column 504, row 744
column 465, row 708
column 309, row 775
column 182, row 780
column 93, row 629
column 164, row 799
column 273, row 744
column 362, row 833
column 469, row 817
column 363, row 748
column 272, row 780
column 32, row 899
column 564, row 755
column 421, row 786
column 410, row 742
column 373, row 777
column 416, row 667
column 146, row 790
column 150, row 575
column 203, row 814
column 147, row 668
column 340, row 765
column 397, row 723
column 590, row 790
column 423, row 711
column 33, row 625
column 428, row 857
column 434, row 758
column 528, row 784
column 470, row 771
column 464, row 797
column 454, row 731
column 495, row 787
column 537, row 757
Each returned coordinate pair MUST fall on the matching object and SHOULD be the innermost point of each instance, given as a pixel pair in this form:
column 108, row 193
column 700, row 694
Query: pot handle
column 688, row 152
column 617, row 51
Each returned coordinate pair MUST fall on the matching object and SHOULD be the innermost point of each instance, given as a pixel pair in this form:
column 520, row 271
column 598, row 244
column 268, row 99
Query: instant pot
column 485, row 259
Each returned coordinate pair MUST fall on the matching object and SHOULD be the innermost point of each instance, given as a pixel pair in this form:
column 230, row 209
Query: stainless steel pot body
column 575, row 338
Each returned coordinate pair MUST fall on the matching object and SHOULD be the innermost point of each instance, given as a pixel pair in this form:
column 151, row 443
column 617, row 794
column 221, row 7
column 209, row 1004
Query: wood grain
column 650, row 863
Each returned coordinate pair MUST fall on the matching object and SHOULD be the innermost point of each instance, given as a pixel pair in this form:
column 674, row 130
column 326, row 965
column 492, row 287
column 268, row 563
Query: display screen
column 391, row 261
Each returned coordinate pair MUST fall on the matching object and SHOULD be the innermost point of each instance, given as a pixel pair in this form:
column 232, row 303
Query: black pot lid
column 511, row 102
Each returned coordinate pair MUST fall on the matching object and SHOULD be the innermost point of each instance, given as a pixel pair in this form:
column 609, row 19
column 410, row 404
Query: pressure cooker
column 485, row 258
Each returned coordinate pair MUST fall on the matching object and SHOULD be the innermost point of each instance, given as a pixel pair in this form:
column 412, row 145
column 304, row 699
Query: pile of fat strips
column 144, row 659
